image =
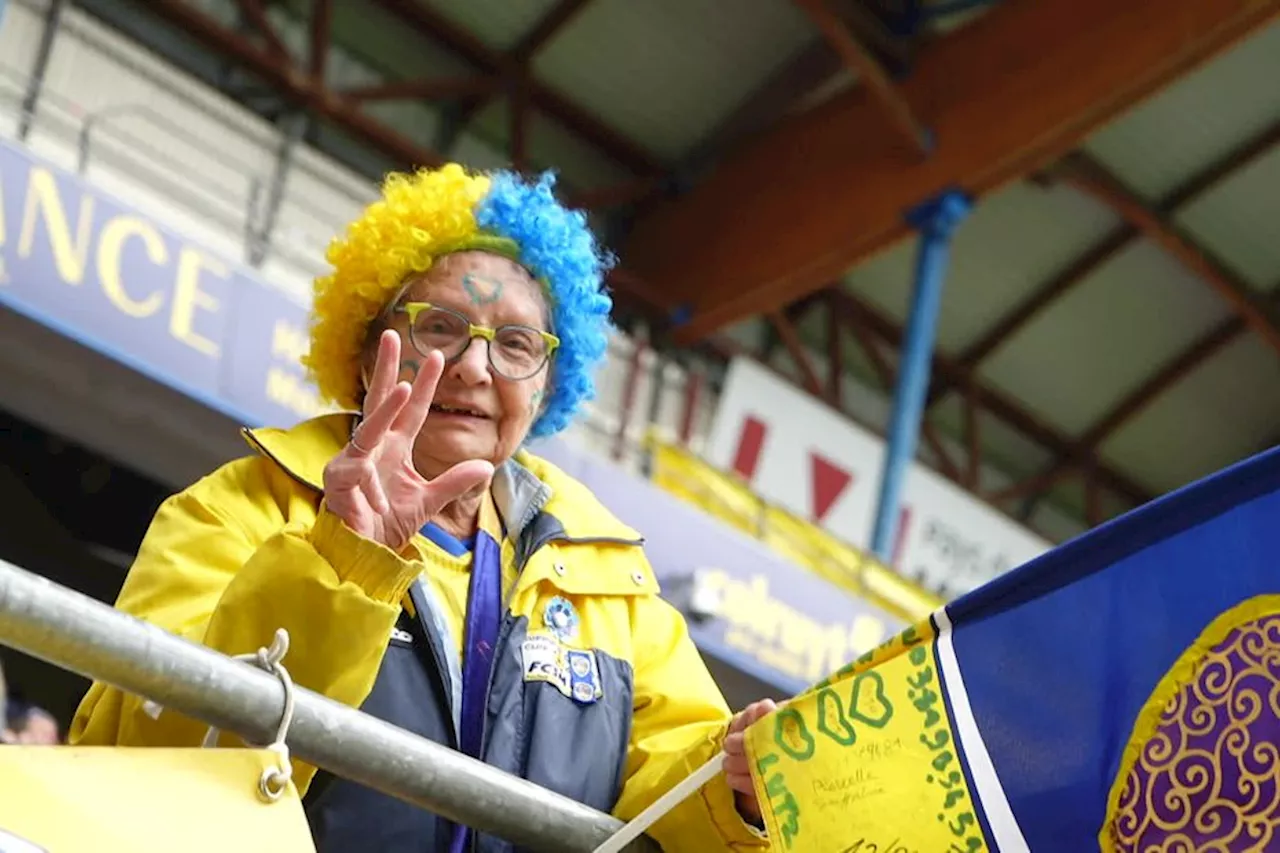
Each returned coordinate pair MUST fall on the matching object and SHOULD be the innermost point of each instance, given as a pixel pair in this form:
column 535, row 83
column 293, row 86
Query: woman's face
column 476, row 413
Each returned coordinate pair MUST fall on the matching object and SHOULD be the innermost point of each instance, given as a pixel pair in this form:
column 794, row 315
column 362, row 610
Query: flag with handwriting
column 1121, row 692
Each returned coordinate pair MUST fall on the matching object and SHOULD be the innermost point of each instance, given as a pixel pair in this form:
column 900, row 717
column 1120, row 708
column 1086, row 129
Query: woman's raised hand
column 372, row 484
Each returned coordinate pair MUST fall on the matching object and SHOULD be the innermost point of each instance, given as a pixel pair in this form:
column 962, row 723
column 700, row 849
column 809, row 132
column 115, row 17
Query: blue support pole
column 936, row 220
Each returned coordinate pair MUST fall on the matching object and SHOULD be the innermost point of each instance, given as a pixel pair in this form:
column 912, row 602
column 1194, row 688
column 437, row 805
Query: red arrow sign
column 828, row 481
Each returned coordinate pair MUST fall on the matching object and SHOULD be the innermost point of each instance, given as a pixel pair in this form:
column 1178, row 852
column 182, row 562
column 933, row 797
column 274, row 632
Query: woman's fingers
column 375, row 425
column 456, row 482
column 414, row 413
column 386, row 367
column 375, row 495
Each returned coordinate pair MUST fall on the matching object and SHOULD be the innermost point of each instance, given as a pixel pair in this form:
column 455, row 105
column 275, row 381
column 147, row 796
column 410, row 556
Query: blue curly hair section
column 557, row 246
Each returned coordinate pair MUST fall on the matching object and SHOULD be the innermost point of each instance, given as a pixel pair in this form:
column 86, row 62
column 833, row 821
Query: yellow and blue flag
column 1121, row 692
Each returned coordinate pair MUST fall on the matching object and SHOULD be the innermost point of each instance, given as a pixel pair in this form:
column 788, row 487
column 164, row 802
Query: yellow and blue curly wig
column 424, row 216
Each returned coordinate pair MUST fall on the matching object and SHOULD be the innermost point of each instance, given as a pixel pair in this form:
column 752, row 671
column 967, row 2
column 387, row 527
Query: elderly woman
column 428, row 569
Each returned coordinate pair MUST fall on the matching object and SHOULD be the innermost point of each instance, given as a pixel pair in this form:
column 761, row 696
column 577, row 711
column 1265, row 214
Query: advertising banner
column 746, row 604
column 817, row 463
column 81, row 262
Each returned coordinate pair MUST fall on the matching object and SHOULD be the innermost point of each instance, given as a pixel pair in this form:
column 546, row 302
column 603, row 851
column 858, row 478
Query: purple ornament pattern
column 1208, row 778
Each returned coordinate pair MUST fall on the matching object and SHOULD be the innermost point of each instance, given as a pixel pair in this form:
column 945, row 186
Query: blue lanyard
column 480, row 638
column 484, row 605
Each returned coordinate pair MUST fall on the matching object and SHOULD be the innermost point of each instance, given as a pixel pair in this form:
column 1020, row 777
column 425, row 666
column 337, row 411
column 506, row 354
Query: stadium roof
column 1109, row 329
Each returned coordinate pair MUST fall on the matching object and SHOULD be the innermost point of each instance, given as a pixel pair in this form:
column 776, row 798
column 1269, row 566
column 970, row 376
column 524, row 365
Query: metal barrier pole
column 52, row 23
column 84, row 141
column 263, row 226
column 75, row 632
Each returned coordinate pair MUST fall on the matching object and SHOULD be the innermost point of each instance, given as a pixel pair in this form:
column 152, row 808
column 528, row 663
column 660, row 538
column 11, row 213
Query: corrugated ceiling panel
column 1197, row 120
column 498, row 23
column 1240, row 220
column 582, row 164
column 664, row 72
column 377, row 39
column 1105, row 337
column 1012, row 243
column 1217, row 416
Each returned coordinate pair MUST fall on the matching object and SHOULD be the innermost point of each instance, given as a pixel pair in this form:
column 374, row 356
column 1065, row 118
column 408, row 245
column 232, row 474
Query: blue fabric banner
column 1128, row 682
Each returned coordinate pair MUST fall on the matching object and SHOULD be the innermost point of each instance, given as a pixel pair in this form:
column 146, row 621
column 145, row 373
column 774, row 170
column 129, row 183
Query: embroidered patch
column 574, row 672
column 584, row 676
column 544, row 659
column 561, row 618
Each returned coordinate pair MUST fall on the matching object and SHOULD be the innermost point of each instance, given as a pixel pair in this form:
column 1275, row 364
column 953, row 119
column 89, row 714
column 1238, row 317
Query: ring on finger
column 357, row 446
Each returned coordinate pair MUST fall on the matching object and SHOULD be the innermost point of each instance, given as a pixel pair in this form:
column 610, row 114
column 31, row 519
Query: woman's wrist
column 383, row 575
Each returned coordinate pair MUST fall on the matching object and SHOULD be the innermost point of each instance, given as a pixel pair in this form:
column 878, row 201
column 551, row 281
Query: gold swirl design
column 1201, row 771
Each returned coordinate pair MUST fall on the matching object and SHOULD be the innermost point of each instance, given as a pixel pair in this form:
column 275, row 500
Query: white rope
column 274, row 780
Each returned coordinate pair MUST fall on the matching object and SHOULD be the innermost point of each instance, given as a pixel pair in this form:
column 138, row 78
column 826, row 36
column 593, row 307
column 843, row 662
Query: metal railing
column 77, row 633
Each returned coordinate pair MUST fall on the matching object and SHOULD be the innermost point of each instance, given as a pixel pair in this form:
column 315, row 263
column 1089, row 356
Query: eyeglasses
column 515, row 352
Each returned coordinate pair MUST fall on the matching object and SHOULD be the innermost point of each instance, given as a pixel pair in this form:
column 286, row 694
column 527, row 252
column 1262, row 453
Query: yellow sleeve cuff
column 735, row 832
column 383, row 575
column 722, row 807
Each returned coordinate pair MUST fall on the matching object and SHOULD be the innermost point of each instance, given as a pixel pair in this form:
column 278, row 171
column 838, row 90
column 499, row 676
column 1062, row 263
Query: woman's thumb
column 459, row 480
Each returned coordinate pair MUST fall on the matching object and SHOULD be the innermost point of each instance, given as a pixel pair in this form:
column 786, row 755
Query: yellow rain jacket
column 251, row 548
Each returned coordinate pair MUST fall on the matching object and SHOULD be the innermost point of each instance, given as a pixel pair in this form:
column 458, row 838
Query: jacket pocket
column 560, row 716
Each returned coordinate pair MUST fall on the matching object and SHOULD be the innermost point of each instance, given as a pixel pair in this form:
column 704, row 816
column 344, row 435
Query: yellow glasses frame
column 413, row 309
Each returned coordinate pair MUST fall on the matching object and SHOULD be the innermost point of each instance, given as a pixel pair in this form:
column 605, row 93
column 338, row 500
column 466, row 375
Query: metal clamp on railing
column 75, row 632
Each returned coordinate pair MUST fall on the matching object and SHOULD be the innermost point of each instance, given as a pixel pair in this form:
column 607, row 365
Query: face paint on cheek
column 482, row 289
column 412, row 365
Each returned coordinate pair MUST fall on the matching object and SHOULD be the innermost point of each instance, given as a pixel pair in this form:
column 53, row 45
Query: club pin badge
column 561, row 618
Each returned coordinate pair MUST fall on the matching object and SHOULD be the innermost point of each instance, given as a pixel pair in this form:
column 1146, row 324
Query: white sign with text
column 817, row 463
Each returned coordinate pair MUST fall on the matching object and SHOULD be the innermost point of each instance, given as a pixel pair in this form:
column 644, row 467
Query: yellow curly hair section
column 419, row 217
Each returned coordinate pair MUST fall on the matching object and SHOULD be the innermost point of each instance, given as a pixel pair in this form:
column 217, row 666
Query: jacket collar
column 522, row 487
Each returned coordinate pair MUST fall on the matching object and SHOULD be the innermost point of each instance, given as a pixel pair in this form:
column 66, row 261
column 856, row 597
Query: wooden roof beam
column 786, row 332
column 320, row 24
column 1020, row 87
column 870, row 72
column 256, row 14
column 545, row 30
column 423, row 90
